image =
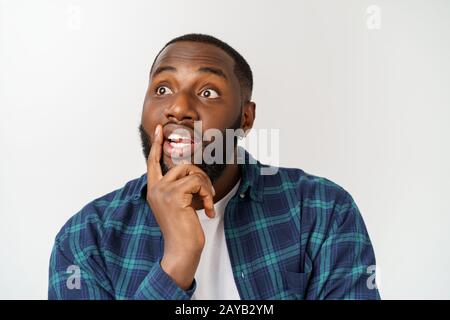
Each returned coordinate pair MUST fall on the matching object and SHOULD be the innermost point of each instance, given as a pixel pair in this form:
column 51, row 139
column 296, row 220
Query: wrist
column 181, row 271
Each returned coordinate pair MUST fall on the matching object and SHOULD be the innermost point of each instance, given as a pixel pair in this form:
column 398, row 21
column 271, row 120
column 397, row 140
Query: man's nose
column 182, row 108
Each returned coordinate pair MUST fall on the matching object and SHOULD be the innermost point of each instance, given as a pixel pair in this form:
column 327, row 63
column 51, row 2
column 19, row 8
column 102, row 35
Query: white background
column 366, row 108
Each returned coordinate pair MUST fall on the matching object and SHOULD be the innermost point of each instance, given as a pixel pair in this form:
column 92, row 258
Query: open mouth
column 178, row 141
column 177, row 146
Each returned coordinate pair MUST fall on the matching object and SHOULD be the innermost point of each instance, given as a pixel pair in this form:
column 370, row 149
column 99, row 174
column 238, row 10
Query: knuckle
column 198, row 179
column 189, row 168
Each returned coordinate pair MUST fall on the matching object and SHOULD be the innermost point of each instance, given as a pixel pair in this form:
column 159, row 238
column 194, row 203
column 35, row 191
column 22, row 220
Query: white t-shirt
column 214, row 275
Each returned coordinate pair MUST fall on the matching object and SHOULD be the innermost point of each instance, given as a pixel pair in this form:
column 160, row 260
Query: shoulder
column 327, row 211
column 323, row 205
column 306, row 186
column 86, row 227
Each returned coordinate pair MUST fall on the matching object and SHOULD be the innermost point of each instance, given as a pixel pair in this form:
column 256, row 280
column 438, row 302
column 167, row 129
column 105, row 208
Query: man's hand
column 170, row 197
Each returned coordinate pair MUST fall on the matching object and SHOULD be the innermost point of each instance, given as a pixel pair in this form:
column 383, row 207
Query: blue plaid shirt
column 290, row 235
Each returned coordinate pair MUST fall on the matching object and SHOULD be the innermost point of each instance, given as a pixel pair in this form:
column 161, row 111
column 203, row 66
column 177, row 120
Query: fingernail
column 157, row 130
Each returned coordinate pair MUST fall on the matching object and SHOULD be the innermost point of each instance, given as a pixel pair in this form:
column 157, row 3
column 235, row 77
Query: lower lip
column 184, row 151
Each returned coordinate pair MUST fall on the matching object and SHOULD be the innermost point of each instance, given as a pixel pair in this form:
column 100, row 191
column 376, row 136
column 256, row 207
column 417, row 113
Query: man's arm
column 344, row 265
column 71, row 280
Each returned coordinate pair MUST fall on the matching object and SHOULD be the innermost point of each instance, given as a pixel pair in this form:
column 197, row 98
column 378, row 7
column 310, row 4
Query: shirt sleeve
column 77, row 272
column 344, row 267
column 69, row 280
column 158, row 285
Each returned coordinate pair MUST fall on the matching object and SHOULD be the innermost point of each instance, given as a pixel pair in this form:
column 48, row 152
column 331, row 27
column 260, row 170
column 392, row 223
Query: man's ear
column 248, row 116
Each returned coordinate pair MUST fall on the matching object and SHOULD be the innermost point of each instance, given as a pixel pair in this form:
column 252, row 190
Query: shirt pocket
column 295, row 283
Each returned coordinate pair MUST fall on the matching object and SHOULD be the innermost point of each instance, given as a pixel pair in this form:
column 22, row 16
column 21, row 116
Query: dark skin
column 189, row 82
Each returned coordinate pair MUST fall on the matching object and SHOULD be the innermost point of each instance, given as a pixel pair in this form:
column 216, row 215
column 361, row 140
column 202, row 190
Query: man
column 211, row 230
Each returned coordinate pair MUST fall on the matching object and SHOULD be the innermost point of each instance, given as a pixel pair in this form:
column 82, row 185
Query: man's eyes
column 162, row 90
column 206, row 93
column 209, row 93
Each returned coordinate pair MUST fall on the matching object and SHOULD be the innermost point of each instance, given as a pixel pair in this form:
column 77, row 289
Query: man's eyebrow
column 163, row 69
column 215, row 71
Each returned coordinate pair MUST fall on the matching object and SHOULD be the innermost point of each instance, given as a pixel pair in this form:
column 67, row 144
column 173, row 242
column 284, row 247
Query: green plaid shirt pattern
column 290, row 235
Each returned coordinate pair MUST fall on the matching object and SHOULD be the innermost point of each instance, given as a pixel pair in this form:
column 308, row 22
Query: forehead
column 191, row 54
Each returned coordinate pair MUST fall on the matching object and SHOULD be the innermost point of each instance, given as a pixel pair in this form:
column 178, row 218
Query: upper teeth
column 176, row 137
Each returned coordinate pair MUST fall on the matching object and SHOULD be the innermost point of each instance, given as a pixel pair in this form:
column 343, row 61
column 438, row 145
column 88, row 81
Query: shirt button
column 242, row 195
column 242, row 275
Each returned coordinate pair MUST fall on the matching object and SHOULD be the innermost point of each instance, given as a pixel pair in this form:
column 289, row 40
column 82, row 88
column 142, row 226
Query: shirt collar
column 251, row 182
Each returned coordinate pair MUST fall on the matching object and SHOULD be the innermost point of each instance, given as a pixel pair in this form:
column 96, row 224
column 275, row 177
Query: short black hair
column 242, row 69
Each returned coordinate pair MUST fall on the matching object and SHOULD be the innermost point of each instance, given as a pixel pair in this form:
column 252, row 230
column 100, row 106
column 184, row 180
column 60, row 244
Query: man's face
column 190, row 82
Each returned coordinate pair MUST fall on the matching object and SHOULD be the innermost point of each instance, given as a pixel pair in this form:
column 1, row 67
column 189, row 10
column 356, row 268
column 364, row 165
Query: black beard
column 214, row 170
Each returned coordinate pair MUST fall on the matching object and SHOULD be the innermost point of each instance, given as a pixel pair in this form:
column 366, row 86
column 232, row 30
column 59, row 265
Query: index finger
column 154, row 172
column 185, row 169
